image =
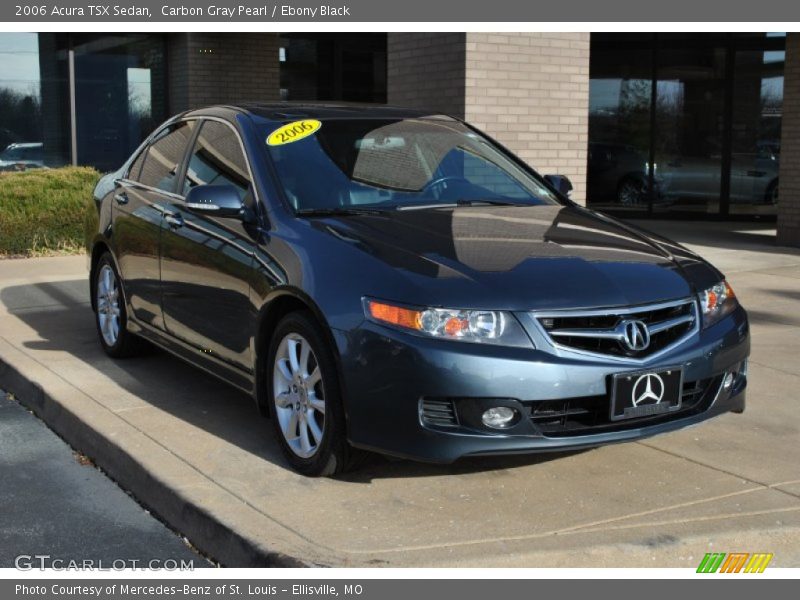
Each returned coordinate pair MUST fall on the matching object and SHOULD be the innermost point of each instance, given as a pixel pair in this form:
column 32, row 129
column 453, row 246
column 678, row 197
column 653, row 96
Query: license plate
column 646, row 393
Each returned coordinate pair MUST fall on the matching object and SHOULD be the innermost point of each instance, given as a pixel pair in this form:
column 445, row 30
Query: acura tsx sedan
column 396, row 281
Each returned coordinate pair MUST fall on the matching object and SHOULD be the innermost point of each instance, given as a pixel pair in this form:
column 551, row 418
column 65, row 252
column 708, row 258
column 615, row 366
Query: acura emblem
column 647, row 387
column 635, row 335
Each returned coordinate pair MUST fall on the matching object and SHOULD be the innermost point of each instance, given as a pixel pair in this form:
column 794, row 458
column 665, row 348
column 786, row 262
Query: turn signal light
column 395, row 315
column 479, row 326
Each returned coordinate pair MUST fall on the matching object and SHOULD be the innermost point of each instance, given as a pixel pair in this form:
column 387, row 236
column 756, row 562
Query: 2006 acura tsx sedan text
column 393, row 280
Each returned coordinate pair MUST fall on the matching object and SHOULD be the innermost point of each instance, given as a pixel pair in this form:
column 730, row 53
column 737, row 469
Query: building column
column 219, row 68
column 530, row 91
column 789, row 176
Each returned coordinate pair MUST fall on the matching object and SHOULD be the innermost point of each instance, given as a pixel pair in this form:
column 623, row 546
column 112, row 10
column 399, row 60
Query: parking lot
column 195, row 452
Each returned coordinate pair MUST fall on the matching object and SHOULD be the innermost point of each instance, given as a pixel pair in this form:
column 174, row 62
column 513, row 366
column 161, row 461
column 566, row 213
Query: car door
column 206, row 261
column 138, row 207
column 751, row 176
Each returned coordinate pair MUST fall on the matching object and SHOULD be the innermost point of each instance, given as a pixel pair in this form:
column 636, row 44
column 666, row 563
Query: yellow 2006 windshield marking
column 294, row 131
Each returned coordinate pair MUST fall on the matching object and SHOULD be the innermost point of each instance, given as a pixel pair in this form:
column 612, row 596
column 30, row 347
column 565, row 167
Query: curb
column 208, row 535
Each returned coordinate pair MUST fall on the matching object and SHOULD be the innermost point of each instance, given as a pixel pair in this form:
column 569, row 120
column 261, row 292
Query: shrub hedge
column 42, row 211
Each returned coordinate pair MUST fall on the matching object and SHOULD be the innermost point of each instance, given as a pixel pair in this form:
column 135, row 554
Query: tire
column 631, row 192
column 771, row 196
column 111, row 316
column 305, row 399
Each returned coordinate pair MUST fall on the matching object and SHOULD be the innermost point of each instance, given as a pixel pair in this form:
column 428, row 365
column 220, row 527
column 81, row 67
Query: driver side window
column 163, row 157
column 217, row 159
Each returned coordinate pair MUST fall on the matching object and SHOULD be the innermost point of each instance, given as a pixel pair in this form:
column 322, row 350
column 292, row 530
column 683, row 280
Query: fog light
column 499, row 417
column 728, row 381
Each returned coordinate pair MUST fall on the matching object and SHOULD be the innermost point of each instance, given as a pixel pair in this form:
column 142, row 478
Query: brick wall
column 426, row 70
column 214, row 68
column 789, row 177
column 530, row 91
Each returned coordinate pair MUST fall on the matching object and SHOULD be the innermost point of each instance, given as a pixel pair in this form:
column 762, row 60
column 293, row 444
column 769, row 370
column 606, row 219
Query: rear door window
column 162, row 161
column 217, row 159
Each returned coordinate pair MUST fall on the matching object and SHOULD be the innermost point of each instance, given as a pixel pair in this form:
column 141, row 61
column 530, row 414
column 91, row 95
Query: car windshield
column 348, row 164
column 16, row 152
column 11, row 153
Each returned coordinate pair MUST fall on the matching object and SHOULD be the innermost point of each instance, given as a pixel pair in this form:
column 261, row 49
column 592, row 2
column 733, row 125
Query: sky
column 19, row 62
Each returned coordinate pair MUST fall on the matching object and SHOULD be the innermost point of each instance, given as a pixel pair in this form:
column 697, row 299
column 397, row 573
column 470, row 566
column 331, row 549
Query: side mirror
column 561, row 183
column 215, row 201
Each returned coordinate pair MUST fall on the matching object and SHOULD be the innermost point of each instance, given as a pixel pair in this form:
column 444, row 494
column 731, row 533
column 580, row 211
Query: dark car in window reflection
column 394, row 280
column 617, row 177
column 22, row 156
column 617, row 174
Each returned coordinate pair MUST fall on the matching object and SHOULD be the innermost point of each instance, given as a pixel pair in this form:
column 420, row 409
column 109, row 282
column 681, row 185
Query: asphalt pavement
column 55, row 503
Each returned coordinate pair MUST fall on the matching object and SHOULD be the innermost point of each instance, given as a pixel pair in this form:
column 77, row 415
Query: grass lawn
column 42, row 211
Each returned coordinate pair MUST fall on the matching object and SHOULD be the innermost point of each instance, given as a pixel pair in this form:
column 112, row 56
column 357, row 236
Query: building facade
column 693, row 125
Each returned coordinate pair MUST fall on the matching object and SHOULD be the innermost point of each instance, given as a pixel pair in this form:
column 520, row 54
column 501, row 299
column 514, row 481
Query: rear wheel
column 111, row 316
column 304, row 397
column 771, row 196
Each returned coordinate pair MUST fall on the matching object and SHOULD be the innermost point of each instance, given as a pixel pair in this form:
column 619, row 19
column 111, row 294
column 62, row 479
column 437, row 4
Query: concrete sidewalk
column 195, row 452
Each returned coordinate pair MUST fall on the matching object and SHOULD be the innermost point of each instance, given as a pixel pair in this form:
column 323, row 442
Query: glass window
column 756, row 134
column 400, row 163
column 136, row 166
column 164, row 155
column 331, row 66
column 690, row 108
column 716, row 132
column 34, row 119
column 120, row 95
column 620, row 90
column 217, row 159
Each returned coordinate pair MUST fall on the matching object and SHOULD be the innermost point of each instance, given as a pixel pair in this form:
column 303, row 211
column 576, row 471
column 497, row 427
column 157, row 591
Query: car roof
column 282, row 111
column 25, row 145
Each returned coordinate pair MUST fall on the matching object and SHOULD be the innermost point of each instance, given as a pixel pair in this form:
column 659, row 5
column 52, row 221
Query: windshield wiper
column 338, row 211
column 464, row 202
column 489, row 201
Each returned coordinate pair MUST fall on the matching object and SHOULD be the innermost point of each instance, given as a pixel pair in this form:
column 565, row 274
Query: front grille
column 603, row 332
column 576, row 416
column 438, row 412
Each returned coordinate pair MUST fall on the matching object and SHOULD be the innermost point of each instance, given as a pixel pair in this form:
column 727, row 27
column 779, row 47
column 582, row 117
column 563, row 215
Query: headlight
column 716, row 302
column 480, row 326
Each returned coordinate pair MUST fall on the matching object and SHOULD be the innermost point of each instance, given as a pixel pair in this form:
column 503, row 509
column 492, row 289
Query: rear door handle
column 174, row 220
column 121, row 198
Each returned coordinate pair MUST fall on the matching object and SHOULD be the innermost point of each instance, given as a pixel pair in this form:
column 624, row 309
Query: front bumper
column 387, row 373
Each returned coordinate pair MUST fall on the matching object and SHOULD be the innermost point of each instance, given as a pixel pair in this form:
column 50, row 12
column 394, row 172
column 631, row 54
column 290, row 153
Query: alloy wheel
column 773, row 194
column 299, row 395
column 108, row 309
column 630, row 193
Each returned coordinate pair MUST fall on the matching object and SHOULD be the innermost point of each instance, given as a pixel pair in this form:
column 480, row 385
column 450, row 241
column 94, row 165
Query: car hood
column 518, row 258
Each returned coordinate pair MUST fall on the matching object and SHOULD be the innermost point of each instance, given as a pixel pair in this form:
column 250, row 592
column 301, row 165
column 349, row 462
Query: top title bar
column 166, row 11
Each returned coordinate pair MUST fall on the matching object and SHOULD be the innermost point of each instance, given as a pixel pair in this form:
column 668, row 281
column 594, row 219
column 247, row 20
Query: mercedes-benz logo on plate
column 648, row 387
column 635, row 335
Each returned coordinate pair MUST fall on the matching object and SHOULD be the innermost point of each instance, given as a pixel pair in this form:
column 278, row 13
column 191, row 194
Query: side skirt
column 237, row 378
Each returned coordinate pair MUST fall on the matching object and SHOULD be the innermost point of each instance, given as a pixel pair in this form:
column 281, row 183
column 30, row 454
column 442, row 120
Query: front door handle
column 174, row 220
column 121, row 198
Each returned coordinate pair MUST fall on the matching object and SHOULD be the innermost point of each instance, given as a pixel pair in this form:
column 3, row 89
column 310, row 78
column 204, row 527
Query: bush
column 42, row 211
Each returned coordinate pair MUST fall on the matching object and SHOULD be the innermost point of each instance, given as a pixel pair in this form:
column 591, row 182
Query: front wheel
column 631, row 192
column 307, row 410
